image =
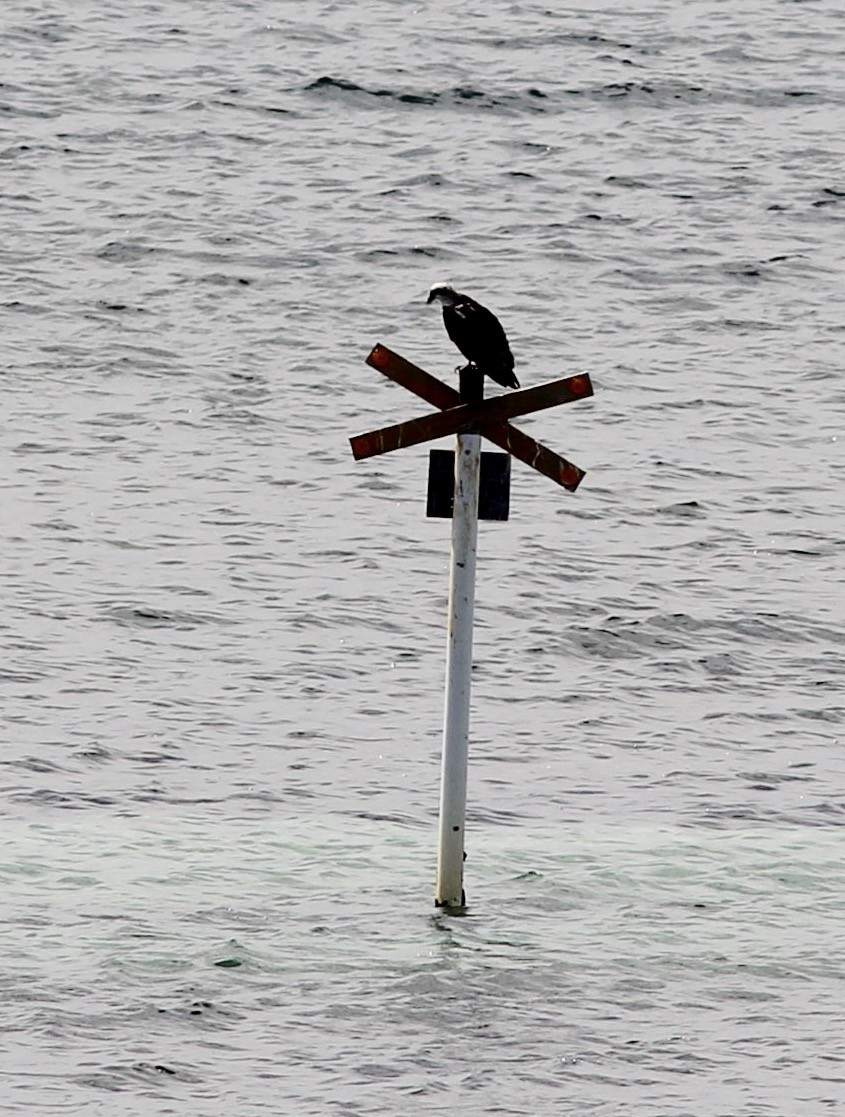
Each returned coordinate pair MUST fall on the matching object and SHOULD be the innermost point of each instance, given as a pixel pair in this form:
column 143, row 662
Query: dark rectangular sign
column 494, row 491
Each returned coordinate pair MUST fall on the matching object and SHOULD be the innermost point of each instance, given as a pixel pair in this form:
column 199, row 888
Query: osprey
column 477, row 333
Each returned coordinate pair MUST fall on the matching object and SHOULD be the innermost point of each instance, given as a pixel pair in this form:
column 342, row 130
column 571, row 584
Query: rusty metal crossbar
column 489, row 418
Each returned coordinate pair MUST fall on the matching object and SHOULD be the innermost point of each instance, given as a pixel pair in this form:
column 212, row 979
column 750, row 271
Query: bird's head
column 443, row 293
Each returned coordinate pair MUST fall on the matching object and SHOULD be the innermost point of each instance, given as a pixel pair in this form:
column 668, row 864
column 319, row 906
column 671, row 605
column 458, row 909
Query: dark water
column 223, row 639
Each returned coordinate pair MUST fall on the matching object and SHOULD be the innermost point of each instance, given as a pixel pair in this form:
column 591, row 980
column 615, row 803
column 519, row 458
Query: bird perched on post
column 477, row 333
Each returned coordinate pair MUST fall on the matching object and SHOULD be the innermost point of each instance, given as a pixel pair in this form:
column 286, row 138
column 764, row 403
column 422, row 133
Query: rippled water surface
column 223, row 639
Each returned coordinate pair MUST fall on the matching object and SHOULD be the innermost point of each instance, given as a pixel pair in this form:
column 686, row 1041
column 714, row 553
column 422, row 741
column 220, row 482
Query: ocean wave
column 554, row 98
column 458, row 96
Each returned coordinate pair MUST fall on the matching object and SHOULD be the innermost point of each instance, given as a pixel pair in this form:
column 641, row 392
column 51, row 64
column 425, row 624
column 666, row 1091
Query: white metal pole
column 453, row 789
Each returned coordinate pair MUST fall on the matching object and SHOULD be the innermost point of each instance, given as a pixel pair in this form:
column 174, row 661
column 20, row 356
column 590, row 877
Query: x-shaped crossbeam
column 489, row 418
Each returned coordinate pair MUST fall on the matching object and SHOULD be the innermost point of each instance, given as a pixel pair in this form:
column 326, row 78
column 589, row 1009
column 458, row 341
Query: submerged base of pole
column 455, row 909
column 453, row 789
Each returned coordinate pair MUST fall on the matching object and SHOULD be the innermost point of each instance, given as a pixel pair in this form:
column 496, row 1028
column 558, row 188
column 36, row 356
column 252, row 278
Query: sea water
column 223, row 639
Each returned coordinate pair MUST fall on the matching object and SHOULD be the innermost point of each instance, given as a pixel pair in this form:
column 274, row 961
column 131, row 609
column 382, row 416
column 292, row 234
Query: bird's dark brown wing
column 478, row 334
